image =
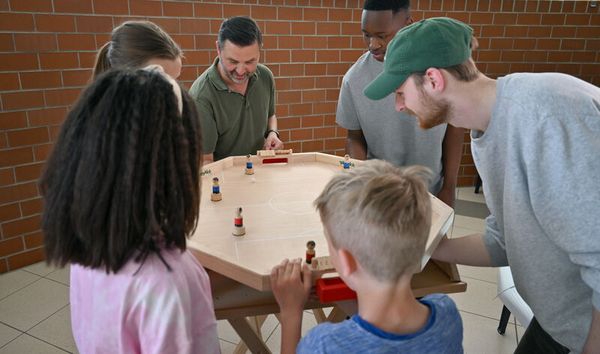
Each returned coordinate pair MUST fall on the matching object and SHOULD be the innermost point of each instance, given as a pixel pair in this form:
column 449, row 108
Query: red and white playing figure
column 238, row 223
column 310, row 251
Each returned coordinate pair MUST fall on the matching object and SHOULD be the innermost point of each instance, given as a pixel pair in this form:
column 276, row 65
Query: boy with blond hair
column 376, row 218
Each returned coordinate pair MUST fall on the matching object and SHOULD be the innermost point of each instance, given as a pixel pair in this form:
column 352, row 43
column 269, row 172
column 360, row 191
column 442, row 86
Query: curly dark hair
column 123, row 178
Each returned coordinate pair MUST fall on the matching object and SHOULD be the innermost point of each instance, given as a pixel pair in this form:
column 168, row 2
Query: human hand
column 447, row 195
column 272, row 142
column 291, row 284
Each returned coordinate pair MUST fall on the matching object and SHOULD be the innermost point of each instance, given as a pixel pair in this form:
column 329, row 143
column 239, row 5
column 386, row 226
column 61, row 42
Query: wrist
column 269, row 131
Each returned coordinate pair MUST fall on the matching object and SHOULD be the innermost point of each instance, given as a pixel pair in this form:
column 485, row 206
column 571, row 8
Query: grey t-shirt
column 539, row 160
column 390, row 135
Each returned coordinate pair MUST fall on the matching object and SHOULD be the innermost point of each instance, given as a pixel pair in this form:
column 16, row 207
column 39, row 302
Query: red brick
column 337, row 68
column 205, row 41
column 524, row 44
column 76, row 77
column 26, row 258
column 572, row 44
column 301, row 134
column 330, row 28
column 61, row 97
column 512, row 55
column 303, row 28
column 16, row 22
column 338, row 42
column 529, row 19
column 22, row 99
column 312, row 121
column 32, row 206
column 54, row 23
column 289, row 97
column 277, row 27
column 539, row 32
column 301, row 109
column 58, row 60
column 21, row 226
column 41, row 152
column 315, row 69
column 351, row 29
column 7, row 176
column 13, row 120
column 112, row 7
column 18, row 192
column 351, row 55
column 9, row 212
column 170, row 25
column 178, row 9
column 289, row 13
column 328, row 82
column 18, row 62
column 34, row 240
column 235, row 10
column 313, row 95
column 328, row 56
column 341, row 132
column 481, row 18
column 501, row 43
column 312, row 145
column 320, row 133
column 3, row 264
column 492, row 31
column 263, row 12
column 585, row 57
column 340, row 15
column 314, row 42
column 194, row 26
column 324, row 108
column 35, row 42
column 504, row 19
column 14, row 157
column 208, row 10
column 548, row 44
column 76, row 42
column 31, row 5
column 7, row 43
column 145, row 7
column 563, row 32
column 289, row 42
column 73, row 6
column 536, row 56
column 24, row 137
column 288, row 123
column 9, row 82
column 86, row 60
column 516, row 31
column 332, row 95
column 588, row 32
column 277, row 56
column 578, row 19
column 28, row 172
column 11, row 246
column 47, row 116
column 303, row 56
column 40, row 79
column 314, row 14
column 291, row 70
column 553, row 19
column 282, row 83
column 329, row 119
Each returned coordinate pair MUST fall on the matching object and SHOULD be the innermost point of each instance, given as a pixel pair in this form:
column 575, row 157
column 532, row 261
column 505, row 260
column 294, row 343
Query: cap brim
column 383, row 85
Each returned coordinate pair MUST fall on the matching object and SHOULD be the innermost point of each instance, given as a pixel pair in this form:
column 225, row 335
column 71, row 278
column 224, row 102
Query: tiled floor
column 35, row 316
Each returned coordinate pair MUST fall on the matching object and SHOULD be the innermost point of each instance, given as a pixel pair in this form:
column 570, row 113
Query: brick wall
column 47, row 48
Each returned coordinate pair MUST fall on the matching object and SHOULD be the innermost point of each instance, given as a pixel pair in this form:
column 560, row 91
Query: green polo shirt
column 233, row 124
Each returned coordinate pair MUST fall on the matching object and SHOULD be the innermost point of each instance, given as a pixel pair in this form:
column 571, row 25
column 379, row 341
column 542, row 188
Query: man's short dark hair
column 241, row 31
column 384, row 5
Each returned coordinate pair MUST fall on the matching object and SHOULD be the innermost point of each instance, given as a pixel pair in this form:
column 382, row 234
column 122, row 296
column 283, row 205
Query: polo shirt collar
column 217, row 81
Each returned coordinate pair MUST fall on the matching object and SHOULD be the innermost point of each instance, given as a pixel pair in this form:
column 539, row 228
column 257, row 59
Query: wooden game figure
column 216, row 190
column 249, row 169
column 310, row 251
column 238, row 222
column 346, row 163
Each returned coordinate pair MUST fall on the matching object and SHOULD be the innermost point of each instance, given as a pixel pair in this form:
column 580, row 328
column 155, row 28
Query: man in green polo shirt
column 236, row 95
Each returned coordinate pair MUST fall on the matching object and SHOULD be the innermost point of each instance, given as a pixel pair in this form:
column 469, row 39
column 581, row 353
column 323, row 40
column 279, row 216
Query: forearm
column 291, row 327
column 451, row 154
column 272, row 123
column 356, row 145
column 592, row 344
column 468, row 250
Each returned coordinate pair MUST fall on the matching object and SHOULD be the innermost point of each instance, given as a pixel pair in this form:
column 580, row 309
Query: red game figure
column 310, row 251
column 238, row 222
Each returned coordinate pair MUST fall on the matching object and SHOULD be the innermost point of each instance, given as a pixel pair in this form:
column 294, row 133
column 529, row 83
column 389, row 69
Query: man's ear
column 218, row 49
column 435, row 82
column 347, row 262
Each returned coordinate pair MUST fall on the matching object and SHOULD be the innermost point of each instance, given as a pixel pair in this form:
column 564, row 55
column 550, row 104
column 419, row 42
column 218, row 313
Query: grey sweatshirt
column 539, row 160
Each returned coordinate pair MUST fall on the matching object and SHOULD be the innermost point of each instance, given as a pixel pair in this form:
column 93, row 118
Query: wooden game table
column 279, row 219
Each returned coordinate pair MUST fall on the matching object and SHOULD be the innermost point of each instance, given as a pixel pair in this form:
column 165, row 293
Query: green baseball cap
column 437, row 42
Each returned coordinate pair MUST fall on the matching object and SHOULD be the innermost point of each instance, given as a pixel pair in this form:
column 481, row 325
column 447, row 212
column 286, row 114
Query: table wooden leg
column 249, row 332
column 319, row 315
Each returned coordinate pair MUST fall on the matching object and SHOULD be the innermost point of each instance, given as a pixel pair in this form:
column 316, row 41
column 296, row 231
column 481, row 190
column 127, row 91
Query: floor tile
column 472, row 209
column 39, row 268
column 15, row 280
column 33, row 304
column 274, row 341
column 56, row 329
column 226, row 347
column 61, row 275
column 488, row 274
column 480, row 336
column 466, row 222
column 29, row 345
column 468, row 193
column 7, row 334
column 480, row 298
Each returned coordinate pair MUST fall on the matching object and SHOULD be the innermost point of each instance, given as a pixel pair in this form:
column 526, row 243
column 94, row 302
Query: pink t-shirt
column 153, row 311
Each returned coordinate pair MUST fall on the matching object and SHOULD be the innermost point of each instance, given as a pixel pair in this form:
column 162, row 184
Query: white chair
column 513, row 303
